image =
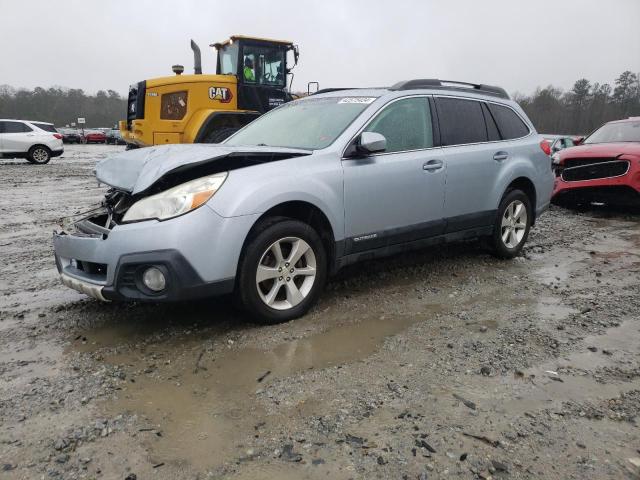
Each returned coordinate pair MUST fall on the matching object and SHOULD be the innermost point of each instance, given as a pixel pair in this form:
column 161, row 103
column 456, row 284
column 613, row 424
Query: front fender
column 254, row 190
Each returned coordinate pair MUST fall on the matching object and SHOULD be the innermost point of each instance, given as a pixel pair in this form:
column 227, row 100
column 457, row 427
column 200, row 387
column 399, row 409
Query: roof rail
column 449, row 85
column 327, row 90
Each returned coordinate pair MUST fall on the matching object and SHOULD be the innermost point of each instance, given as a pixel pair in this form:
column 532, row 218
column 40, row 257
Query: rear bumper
column 57, row 153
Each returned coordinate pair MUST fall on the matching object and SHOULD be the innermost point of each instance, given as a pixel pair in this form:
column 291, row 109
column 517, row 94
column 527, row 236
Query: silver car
column 314, row 185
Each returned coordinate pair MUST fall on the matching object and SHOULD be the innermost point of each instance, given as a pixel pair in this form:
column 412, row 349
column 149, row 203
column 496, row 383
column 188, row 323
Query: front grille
column 98, row 222
column 99, row 269
column 135, row 102
column 581, row 162
column 592, row 169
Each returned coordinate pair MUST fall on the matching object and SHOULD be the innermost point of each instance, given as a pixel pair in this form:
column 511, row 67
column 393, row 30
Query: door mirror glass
column 371, row 142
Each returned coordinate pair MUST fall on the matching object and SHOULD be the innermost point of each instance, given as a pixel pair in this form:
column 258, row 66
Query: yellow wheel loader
column 251, row 79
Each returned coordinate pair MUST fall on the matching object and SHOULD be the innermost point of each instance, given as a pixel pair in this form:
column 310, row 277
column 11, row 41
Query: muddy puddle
column 206, row 405
column 565, row 379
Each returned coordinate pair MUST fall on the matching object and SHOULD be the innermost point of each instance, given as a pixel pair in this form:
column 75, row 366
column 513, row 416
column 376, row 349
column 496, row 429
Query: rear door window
column 406, row 124
column 509, row 123
column 461, row 121
column 16, row 127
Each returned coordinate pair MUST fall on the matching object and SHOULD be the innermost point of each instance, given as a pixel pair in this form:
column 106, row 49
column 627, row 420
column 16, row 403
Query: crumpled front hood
column 134, row 171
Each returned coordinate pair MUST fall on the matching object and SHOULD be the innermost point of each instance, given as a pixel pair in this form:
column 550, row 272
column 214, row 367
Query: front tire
column 512, row 225
column 282, row 271
column 39, row 154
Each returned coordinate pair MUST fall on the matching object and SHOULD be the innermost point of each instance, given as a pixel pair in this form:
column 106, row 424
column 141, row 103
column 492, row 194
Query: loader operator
column 248, row 70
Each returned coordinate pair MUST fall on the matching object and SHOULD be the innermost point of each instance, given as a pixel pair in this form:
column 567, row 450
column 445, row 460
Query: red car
column 95, row 137
column 604, row 167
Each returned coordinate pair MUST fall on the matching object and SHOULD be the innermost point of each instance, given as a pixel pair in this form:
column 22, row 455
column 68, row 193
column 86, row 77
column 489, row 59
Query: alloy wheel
column 286, row 273
column 514, row 224
column 40, row 155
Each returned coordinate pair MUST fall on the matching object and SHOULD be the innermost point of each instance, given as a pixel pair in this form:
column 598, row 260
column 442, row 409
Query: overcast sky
column 516, row 44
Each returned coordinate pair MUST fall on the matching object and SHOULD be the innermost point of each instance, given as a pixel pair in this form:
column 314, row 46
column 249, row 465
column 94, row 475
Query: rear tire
column 282, row 271
column 39, row 154
column 220, row 134
column 512, row 225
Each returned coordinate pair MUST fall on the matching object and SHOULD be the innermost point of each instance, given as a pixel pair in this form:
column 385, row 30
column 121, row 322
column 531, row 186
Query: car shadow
column 215, row 317
column 601, row 210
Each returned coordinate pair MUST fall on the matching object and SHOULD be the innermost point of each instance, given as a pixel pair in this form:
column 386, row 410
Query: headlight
column 555, row 158
column 176, row 200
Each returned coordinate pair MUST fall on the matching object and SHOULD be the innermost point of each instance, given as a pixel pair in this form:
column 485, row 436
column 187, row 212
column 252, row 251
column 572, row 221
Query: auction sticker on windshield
column 365, row 100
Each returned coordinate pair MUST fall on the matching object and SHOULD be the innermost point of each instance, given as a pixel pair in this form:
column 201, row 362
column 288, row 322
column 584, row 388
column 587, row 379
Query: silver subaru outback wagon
column 306, row 189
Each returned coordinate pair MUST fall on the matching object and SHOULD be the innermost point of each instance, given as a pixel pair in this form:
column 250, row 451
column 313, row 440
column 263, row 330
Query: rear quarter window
column 461, row 121
column 509, row 123
column 47, row 127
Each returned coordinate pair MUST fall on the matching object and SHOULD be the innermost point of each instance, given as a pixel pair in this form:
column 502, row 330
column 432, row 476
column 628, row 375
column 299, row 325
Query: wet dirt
column 441, row 363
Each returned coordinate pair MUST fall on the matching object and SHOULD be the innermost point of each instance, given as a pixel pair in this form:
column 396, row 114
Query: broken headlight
column 176, row 200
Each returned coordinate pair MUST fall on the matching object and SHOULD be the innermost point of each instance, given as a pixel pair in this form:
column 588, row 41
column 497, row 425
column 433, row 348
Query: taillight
column 545, row 146
column 58, row 136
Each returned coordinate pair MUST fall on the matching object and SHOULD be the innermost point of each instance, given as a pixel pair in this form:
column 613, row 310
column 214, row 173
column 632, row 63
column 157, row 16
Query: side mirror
column 578, row 140
column 371, row 142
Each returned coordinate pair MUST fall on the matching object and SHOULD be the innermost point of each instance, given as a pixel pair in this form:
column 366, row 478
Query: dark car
column 114, row 137
column 604, row 167
column 69, row 135
column 95, row 136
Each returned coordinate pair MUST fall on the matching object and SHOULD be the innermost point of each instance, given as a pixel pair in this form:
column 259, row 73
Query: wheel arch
column 305, row 212
column 222, row 119
column 527, row 186
column 39, row 145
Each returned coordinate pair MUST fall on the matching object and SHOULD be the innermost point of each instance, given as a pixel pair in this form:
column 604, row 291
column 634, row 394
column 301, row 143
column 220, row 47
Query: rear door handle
column 500, row 156
column 433, row 165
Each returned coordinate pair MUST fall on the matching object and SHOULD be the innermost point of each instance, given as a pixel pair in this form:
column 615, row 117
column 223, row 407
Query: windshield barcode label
column 357, row 100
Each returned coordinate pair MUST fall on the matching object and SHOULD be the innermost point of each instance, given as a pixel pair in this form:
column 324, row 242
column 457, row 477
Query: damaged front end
column 146, row 239
column 98, row 222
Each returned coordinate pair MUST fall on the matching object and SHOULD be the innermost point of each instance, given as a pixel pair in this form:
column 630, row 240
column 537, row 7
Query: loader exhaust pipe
column 197, row 58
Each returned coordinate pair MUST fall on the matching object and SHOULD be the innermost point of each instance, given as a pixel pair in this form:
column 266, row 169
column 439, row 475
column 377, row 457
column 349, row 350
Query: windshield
column 310, row 124
column 616, row 132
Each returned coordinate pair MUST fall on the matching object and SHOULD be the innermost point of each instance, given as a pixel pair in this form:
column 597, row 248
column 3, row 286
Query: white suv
column 35, row 141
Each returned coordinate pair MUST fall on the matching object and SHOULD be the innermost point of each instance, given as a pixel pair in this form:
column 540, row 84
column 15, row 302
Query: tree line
column 579, row 110
column 583, row 108
column 62, row 106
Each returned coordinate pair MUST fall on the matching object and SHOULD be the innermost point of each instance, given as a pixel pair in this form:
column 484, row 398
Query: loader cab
column 261, row 66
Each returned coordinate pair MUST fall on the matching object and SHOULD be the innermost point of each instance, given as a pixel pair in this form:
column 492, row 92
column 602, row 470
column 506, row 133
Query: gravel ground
column 445, row 363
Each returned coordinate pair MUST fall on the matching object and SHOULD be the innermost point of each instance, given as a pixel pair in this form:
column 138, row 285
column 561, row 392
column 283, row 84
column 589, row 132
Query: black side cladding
column 233, row 161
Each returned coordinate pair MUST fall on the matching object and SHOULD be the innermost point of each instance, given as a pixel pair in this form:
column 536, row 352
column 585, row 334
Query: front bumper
column 198, row 253
column 629, row 180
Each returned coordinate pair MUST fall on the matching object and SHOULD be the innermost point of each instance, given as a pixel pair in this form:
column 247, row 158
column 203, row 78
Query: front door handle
column 500, row 156
column 433, row 165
